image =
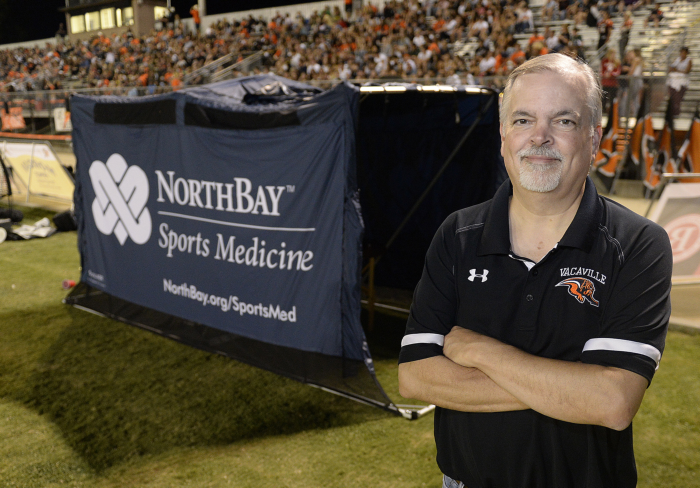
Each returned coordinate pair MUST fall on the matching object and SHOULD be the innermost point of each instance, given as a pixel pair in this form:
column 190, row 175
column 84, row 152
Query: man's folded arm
column 569, row 391
column 439, row 381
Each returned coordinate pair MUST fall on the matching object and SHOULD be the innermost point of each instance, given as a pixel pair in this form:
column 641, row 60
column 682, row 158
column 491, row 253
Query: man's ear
column 501, row 130
column 597, row 137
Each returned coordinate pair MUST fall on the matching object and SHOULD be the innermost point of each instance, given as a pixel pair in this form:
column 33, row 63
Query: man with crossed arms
column 541, row 315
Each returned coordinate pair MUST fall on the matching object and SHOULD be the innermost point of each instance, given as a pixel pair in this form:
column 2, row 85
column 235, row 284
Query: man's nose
column 541, row 134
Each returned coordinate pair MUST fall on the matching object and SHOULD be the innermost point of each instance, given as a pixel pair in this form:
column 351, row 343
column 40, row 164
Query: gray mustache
column 544, row 151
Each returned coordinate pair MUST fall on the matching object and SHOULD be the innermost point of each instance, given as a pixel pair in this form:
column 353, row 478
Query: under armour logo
column 121, row 209
column 472, row 275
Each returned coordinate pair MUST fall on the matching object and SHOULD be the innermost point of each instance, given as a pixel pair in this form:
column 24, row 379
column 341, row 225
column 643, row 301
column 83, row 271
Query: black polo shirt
column 601, row 296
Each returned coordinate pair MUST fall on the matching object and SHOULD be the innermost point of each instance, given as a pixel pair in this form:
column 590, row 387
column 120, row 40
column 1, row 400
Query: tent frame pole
column 371, row 297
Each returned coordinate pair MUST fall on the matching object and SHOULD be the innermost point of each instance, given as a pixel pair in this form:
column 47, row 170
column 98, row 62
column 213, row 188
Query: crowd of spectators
column 407, row 40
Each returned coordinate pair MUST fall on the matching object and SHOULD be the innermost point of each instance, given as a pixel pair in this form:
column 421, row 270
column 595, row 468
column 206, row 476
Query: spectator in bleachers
column 61, row 33
column 576, row 43
column 625, row 28
column 194, row 12
column 551, row 38
column 517, row 57
column 678, row 80
column 655, row 16
column 480, row 28
column 631, row 5
column 631, row 82
column 535, row 37
column 593, row 15
column 605, row 28
column 609, row 6
column 577, row 11
column 487, row 65
column 535, row 49
column 610, row 69
column 563, row 7
column 524, row 18
column 563, row 39
column 550, row 11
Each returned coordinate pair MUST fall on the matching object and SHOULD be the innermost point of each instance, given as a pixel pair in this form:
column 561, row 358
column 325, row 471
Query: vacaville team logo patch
column 582, row 289
column 121, row 194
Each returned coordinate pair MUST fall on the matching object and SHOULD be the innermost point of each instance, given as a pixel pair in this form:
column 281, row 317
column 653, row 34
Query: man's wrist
column 485, row 354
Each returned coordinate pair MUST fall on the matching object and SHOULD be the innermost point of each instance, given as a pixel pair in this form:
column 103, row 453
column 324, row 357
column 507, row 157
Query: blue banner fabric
column 225, row 213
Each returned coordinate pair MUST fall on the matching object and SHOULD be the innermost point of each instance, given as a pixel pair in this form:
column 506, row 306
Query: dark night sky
column 26, row 20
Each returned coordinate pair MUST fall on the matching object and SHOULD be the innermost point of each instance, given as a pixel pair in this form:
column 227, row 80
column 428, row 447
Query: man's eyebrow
column 561, row 113
column 568, row 112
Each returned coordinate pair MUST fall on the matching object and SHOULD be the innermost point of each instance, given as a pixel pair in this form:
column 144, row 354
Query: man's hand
column 461, row 346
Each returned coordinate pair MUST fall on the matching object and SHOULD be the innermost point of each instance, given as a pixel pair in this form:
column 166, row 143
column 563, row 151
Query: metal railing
column 244, row 66
column 206, row 71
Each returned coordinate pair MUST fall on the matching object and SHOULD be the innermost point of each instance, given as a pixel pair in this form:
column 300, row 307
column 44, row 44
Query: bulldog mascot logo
column 582, row 289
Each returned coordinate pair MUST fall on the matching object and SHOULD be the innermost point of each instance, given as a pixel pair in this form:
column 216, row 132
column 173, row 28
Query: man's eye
column 567, row 123
column 520, row 122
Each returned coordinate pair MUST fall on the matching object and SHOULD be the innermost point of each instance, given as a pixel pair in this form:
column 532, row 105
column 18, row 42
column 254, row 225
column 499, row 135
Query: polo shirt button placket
column 533, row 274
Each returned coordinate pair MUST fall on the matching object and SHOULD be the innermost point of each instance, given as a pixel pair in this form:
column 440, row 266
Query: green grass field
column 90, row 402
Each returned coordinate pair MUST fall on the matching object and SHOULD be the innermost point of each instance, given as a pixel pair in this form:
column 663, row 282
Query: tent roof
column 253, row 102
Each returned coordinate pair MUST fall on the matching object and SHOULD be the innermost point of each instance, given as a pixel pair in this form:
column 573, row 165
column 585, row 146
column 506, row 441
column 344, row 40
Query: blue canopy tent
column 227, row 217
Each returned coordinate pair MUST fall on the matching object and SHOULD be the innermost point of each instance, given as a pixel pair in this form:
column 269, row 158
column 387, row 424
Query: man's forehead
column 574, row 100
column 569, row 77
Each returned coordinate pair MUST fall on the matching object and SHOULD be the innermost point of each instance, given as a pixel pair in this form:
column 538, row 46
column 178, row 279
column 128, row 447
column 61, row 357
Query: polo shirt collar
column 581, row 233
column 584, row 228
column 496, row 236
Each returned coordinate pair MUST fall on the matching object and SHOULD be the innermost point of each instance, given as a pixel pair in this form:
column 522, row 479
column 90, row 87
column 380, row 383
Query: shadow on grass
column 117, row 392
column 31, row 214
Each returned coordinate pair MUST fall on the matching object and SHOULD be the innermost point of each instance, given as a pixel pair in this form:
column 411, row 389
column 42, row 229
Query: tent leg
column 371, row 295
column 413, row 412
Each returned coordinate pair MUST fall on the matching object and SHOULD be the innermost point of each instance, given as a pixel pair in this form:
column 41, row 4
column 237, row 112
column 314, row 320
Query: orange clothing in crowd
column 195, row 15
column 500, row 60
column 518, row 57
column 535, row 38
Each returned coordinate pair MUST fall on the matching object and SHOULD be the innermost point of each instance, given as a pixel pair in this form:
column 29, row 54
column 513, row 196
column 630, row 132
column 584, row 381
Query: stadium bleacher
column 394, row 40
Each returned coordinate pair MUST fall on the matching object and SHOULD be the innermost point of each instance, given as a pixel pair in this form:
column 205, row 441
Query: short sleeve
column 634, row 324
column 434, row 304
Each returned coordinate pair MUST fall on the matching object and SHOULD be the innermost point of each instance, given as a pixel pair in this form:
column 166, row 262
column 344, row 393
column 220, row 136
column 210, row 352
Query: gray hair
column 561, row 64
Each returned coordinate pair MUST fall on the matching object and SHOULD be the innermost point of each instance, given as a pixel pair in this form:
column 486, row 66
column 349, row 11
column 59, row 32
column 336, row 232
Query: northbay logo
column 121, row 194
column 229, row 197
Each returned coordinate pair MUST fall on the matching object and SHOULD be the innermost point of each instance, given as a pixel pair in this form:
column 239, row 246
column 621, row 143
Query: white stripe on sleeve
column 422, row 339
column 603, row 344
